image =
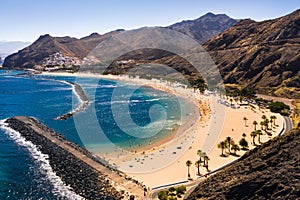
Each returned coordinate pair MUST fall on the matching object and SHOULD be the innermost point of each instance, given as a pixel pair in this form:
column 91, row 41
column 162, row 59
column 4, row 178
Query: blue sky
column 25, row 20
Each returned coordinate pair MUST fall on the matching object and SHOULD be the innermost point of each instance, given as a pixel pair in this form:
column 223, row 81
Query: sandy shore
column 167, row 163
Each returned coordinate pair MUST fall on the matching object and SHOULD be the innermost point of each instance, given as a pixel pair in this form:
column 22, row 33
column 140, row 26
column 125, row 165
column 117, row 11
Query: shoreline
column 205, row 134
column 163, row 141
column 77, row 167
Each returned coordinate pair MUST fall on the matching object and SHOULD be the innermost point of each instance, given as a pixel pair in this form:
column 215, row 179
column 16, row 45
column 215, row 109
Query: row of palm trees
column 230, row 145
column 202, row 161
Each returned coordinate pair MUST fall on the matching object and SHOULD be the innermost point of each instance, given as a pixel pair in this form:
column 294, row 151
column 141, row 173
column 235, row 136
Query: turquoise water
column 45, row 97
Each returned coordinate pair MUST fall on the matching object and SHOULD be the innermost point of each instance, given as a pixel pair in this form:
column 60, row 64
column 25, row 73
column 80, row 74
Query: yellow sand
column 161, row 166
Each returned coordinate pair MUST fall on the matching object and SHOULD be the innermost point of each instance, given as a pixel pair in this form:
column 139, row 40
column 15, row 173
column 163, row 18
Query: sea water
column 22, row 176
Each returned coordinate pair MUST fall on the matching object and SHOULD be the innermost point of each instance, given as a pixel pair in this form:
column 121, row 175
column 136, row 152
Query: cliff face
column 263, row 55
column 271, row 171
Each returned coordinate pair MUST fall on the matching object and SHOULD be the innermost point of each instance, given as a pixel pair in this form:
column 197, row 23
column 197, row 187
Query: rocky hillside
column 47, row 45
column 202, row 29
column 205, row 27
column 271, row 171
column 263, row 55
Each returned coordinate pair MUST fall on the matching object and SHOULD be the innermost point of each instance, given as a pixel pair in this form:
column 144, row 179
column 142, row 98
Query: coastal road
column 288, row 124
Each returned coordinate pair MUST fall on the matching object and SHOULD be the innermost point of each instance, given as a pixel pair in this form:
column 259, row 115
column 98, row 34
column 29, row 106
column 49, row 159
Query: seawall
column 83, row 98
column 76, row 166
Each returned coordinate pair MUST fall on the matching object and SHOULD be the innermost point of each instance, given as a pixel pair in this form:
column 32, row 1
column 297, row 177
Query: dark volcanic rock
column 84, row 180
column 271, row 171
column 262, row 55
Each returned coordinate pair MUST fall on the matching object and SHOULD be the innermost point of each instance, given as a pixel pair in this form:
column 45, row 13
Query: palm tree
column 255, row 124
column 245, row 119
column 199, row 153
column 259, row 133
column 231, row 102
column 235, row 148
column 241, row 99
column 264, row 117
column 198, row 164
column 253, row 135
column 262, row 125
column 222, row 145
column 271, row 122
column 229, row 141
column 243, row 143
column 274, row 118
column 267, row 121
column 188, row 164
column 205, row 163
column 244, row 135
column 203, row 155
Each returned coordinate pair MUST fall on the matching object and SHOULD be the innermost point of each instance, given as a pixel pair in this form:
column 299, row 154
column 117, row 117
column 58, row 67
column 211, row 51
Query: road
column 288, row 123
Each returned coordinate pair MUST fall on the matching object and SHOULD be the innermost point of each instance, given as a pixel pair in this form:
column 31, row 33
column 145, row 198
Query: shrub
column 162, row 195
column 180, row 189
column 278, row 107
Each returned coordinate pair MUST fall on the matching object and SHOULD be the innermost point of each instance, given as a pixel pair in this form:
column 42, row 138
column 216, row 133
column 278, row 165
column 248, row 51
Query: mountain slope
column 200, row 29
column 47, row 45
column 205, row 27
column 263, row 55
column 270, row 171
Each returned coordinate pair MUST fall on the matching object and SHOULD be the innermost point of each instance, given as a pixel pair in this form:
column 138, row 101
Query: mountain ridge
column 261, row 55
column 39, row 50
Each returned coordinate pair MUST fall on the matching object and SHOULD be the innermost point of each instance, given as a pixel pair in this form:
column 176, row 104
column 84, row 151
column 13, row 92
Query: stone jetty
column 77, row 167
column 85, row 102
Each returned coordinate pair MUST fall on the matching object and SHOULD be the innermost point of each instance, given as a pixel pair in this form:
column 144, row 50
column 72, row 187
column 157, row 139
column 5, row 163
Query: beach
column 210, row 124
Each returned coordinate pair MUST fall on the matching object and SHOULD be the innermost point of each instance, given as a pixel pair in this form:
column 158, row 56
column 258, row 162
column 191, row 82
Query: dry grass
column 296, row 113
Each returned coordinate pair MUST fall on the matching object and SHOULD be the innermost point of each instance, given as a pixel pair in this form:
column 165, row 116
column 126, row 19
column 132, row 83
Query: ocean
column 126, row 116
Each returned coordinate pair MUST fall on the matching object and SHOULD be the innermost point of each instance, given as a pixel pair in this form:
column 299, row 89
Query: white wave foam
column 42, row 161
column 83, row 104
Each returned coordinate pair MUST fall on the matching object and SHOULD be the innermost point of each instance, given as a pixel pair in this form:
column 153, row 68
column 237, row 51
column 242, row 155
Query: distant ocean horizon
column 22, row 176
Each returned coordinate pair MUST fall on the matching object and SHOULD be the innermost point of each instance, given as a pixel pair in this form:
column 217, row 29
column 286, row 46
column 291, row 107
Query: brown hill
column 263, row 55
column 270, row 171
column 47, row 45
column 205, row 27
column 202, row 29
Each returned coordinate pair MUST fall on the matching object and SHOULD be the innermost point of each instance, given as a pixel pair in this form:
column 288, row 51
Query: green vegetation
column 172, row 193
column 188, row 164
column 255, row 124
column 244, row 92
column 235, row 148
column 229, row 144
column 163, row 195
column 245, row 119
column 198, row 165
column 253, row 135
column 229, row 141
column 244, row 144
column 279, row 107
column 199, row 84
column 222, row 145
